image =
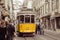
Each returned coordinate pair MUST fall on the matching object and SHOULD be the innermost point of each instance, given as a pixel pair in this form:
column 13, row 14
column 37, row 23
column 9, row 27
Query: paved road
column 38, row 37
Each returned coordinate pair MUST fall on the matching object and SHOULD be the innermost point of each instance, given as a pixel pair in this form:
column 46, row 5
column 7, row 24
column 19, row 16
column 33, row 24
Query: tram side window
column 32, row 18
column 21, row 19
column 27, row 19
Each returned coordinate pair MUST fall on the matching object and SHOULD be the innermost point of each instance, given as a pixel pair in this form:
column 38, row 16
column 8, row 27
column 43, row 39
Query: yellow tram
column 26, row 22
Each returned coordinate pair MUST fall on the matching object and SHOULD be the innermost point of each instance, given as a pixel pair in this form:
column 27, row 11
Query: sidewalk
column 53, row 33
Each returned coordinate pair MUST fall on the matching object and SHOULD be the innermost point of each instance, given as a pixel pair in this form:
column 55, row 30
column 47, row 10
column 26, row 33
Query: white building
column 49, row 12
column 9, row 7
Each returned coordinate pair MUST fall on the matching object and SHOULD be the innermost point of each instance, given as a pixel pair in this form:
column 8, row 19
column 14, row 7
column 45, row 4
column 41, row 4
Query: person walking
column 42, row 28
column 38, row 28
column 2, row 30
column 10, row 30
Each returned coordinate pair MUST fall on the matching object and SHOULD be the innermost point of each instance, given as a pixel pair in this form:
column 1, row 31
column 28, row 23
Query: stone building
column 9, row 7
column 45, row 9
column 1, row 7
column 36, row 8
column 6, row 7
column 55, row 14
column 50, row 13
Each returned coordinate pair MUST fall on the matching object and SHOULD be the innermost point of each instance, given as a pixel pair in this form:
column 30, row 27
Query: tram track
column 29, row 38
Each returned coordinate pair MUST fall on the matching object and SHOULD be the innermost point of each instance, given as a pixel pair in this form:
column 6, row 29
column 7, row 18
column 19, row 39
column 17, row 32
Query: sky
column 17, row 4
column 18, row 1
column 29, row 4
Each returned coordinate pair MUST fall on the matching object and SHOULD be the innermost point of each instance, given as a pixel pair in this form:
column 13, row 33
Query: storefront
column 55, row 21
column 58, row 22
column 46, row 21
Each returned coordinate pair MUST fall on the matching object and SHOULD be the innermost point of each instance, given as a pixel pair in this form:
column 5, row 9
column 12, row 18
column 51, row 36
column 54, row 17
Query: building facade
column 9, row 7
column 49, row 11
column 36, row 8
column 1, row 7
column 50, row 14
column 4, row 9
column 45, row 9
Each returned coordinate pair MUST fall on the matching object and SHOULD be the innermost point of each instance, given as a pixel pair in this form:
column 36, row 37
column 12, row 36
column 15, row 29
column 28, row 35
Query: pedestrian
column 10, row 30
column 2, row 30
column 42, row 28
column 0, row 22
column 38, row 28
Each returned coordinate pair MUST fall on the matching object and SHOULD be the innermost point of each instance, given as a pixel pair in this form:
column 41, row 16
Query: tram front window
column 27, row 19
column 21, row 19
column 32, row 18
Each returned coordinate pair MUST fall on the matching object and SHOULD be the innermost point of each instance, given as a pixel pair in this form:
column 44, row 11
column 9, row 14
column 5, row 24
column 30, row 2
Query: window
column 48, row 6
column 52, row 5
column 21, row 19
column 43, row 9
column 57, row 4
column 32, row 18
column 27, row 19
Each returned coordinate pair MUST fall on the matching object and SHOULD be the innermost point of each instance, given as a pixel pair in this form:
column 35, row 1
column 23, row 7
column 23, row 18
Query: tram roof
column 26, row 13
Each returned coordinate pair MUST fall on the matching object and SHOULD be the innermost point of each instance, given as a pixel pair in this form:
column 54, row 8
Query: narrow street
column 46, row 36
column 30, row 17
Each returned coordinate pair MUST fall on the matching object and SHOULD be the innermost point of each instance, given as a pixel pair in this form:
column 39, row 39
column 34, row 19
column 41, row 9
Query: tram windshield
column 32, row 18
column 26, row 19
column 22, row 19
